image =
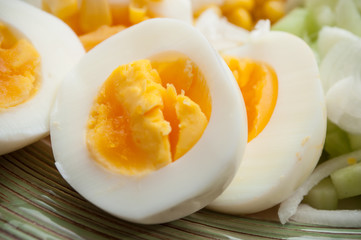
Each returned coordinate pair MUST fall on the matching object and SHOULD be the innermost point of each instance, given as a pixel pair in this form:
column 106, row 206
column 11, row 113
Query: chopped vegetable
column 334, row 218
column 295, row 22
column 347, row 181
column 290, row 207
column 323, row 195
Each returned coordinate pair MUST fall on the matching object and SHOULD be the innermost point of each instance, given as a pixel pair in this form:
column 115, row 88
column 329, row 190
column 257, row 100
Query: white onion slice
column 341, row 61
column 330, row 36
column 341, row 77
column 348, row 16
column 289, row 207
column 332, row 218
column 219, row 32
column 343, row 104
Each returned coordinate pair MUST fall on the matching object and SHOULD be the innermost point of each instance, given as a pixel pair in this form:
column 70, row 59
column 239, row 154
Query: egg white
column 179, row 188
column 59, row 50
column 284, row 154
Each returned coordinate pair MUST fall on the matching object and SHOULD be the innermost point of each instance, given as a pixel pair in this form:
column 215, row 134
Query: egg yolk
column 96, row 20
column 142, row 119
column 19, row 69
column 259, row 86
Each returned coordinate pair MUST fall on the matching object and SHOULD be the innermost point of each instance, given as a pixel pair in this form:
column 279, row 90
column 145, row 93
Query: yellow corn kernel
column 93, row 14
column 242, row 18
column 61, row 8
column 274, row 10
column 120, row 13
column 137, row 14
column 231, row 5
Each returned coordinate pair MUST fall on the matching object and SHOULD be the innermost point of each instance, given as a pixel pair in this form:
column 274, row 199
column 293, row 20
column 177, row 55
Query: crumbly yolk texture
column 140, row 123
column 258, row 83
column 19, row 69
column 96, row 20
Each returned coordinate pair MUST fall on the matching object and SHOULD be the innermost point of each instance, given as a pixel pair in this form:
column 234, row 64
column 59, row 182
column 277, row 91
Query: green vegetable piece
column 322, row 11
column 355, row 141
column 337, row 141
column 294, row 22
column 322, row 196
column 321, row 14
column 350, row 203
column 316, row 4
column 347, row 181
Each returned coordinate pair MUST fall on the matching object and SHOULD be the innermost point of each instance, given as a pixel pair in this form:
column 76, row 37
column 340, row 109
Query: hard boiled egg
column 287, row 120
column 150, row 126
column 36, row 50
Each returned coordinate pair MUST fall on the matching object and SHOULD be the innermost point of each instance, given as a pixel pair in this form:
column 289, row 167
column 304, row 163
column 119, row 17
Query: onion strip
column 290, row 206
column 334, row 218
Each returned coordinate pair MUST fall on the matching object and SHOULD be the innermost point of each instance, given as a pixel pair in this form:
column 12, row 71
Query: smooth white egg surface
column 179, row 188
column 284, row 154
column 59, row 50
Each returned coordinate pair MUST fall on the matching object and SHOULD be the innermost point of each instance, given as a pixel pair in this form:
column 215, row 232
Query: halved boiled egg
column 150, row 126
column 36, row 49
column 278, row 76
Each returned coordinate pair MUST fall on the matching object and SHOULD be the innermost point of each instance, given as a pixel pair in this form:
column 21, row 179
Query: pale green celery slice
column 326, row 16
column 323, row 195
column 347, row 181
column 337, row 141
column 321, row 11
column 294, row 22
column 315, row 4
column 355, row 141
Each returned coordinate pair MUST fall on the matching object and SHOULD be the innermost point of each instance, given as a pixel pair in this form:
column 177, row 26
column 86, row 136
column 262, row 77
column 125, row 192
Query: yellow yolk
column 139, row 124
column 259, row 86
column 19, row 69
column 185, row 76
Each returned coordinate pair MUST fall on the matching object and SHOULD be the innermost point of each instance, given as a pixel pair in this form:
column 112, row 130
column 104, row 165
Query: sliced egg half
column 282, row 155
column 136, row 65
column 36, row 50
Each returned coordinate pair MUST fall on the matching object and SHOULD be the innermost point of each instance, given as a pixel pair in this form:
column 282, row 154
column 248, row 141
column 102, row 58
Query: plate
column 37, row 203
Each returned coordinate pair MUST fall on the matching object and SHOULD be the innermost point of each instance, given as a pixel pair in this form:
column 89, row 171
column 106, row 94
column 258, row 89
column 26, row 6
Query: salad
column 305, row 56
column 332, row 29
